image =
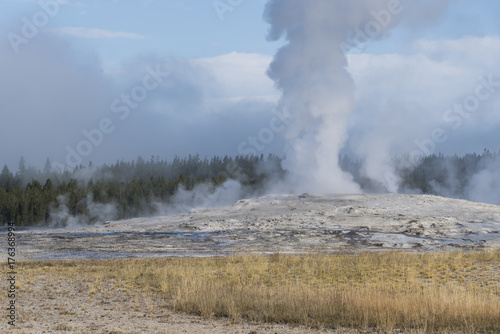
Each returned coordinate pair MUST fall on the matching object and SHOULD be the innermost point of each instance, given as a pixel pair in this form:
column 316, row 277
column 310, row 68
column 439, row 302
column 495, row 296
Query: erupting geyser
column 317, row 89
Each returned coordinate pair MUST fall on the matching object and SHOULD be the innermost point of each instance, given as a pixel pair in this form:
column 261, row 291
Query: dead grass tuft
column 428, row 292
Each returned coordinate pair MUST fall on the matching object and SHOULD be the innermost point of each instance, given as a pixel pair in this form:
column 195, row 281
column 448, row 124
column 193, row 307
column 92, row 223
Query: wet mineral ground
column 287, row 224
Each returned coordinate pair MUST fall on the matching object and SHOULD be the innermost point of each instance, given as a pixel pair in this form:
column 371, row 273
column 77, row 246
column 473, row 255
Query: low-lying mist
column 92, row 194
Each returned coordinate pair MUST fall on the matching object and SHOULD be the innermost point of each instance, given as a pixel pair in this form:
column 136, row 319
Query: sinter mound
column 285, row 224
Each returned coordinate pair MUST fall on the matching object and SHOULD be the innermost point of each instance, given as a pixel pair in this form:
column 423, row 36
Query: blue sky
column 180, row 28
column 64, row 80
column 193, row 28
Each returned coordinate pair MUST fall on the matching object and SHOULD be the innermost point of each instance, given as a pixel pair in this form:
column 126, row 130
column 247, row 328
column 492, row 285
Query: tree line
column 436, row 174
column 30, row 197
column 35, row 197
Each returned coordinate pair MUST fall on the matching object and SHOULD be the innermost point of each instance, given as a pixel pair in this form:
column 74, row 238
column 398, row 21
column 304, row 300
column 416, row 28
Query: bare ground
column 281, row 223
column 270, row 224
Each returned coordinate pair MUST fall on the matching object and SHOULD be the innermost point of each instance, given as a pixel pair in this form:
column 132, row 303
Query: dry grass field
column 455, row 292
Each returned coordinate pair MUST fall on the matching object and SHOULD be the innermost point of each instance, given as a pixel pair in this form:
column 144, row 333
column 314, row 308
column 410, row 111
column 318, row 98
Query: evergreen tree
column 6, row 177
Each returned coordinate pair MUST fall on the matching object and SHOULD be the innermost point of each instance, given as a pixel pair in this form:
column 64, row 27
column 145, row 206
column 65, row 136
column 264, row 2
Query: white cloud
column 475, row 52
column 241, row 75
column 405, row 97
column 93, row 33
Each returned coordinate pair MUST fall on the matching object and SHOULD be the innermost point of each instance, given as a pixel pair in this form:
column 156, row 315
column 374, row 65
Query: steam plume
column 317, row 89
column 311, row 72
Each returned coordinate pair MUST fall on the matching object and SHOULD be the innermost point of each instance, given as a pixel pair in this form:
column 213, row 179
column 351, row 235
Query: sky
column 110, row 80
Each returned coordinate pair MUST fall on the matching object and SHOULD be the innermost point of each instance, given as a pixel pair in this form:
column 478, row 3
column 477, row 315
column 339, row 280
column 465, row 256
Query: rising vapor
column 317, row 89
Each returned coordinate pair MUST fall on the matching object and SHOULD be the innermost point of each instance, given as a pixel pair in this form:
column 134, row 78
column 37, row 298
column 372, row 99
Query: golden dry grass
column 428, row 292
